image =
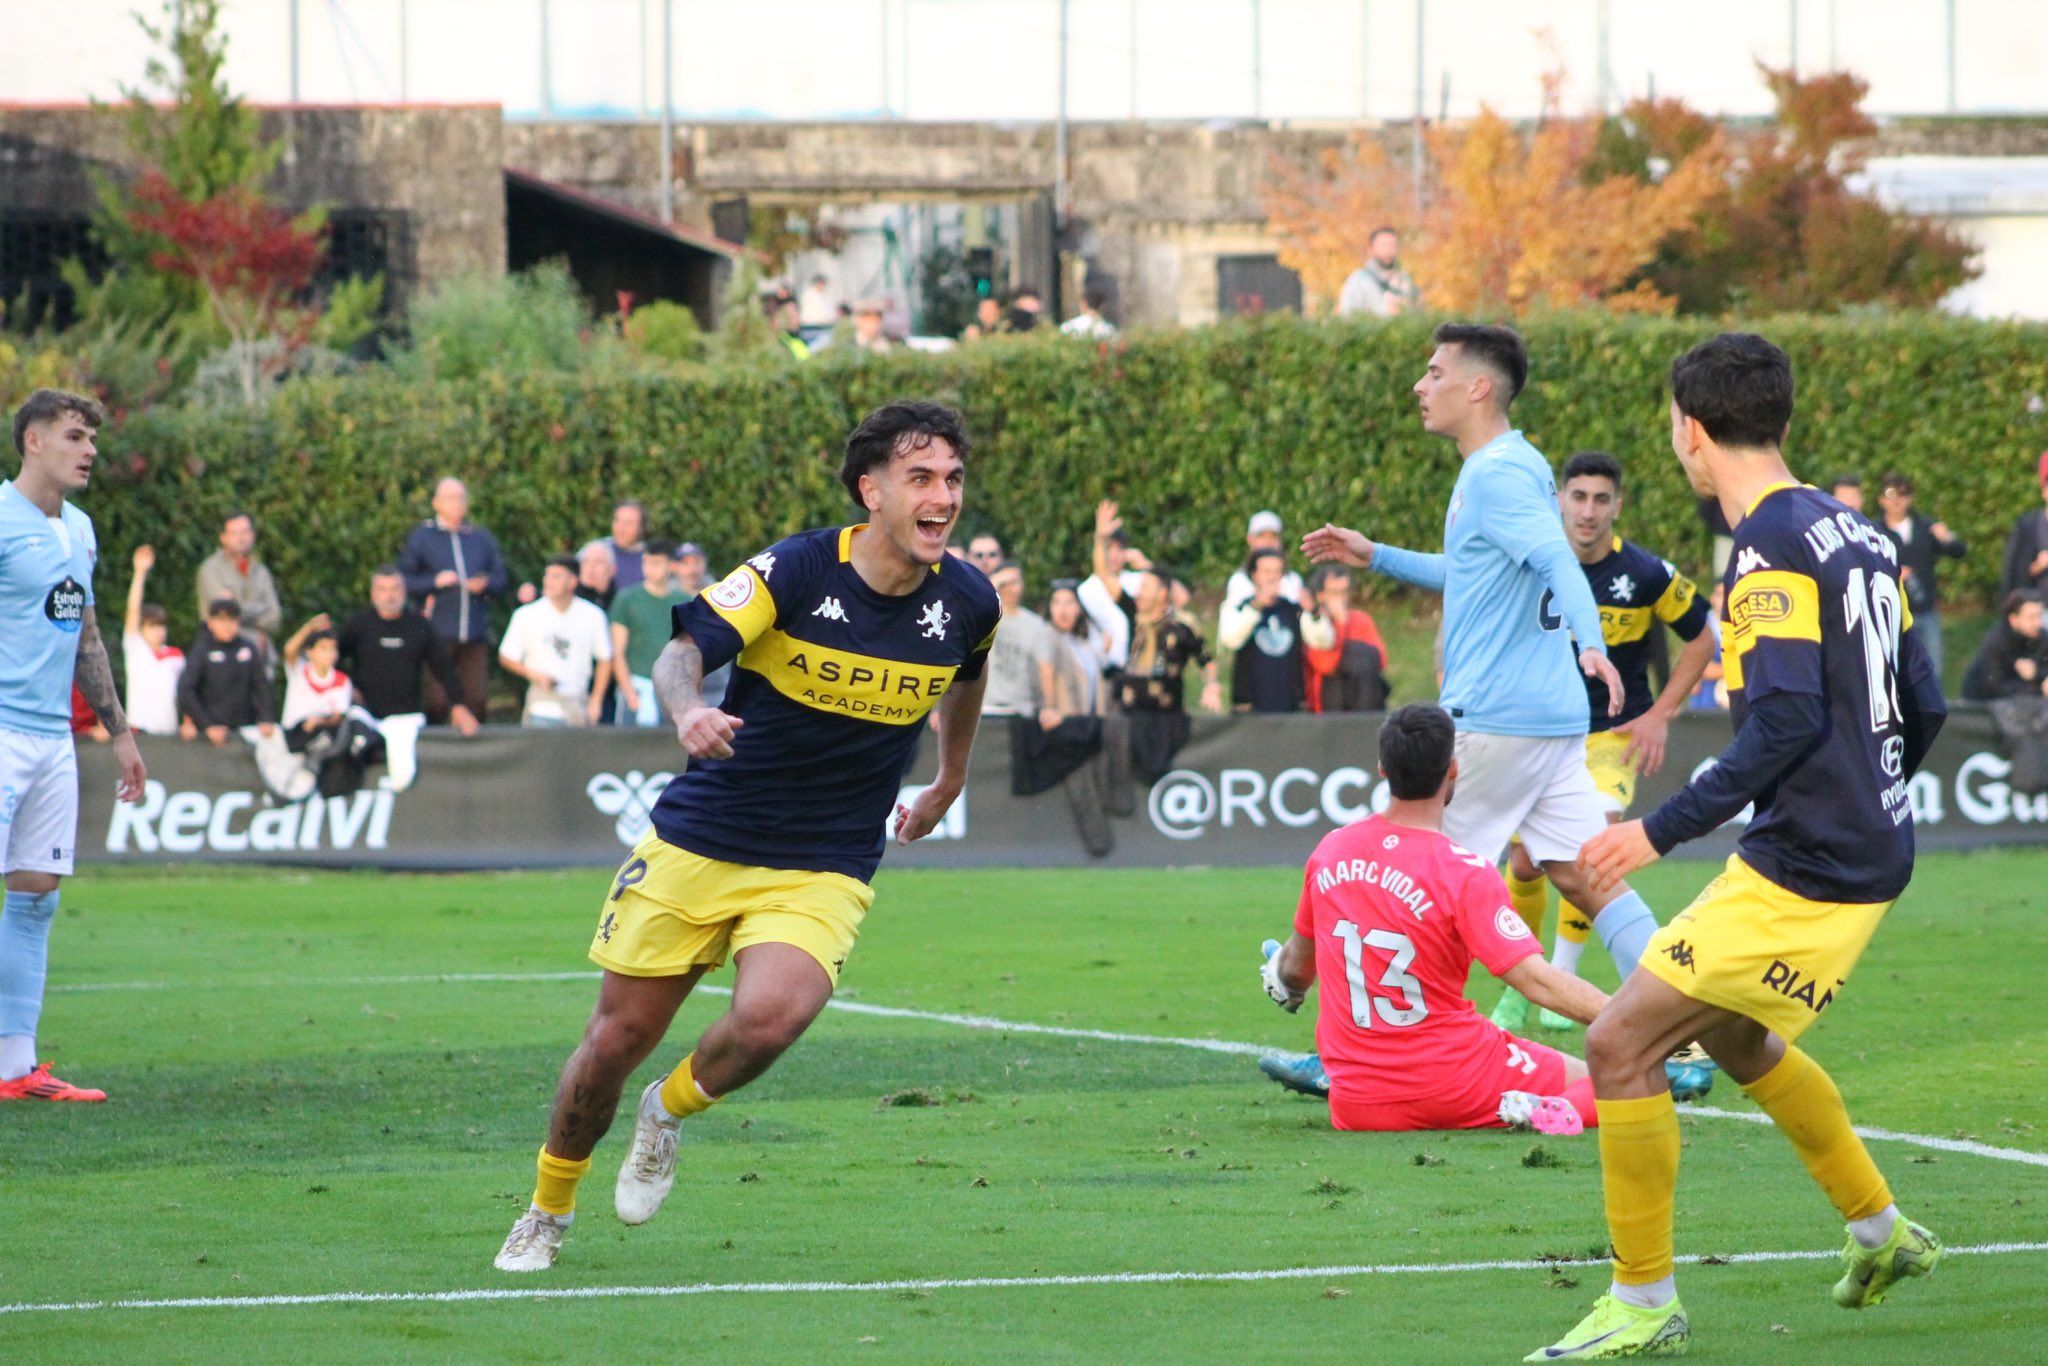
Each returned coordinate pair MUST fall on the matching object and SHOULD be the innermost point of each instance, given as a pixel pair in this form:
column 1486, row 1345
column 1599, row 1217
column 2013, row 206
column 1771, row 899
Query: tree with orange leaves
column 1656, row 209
column 1787, row 232
column 1514, row 223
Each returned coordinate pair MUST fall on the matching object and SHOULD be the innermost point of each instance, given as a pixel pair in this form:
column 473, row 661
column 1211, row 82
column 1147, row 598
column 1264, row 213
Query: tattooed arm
column 94, row 676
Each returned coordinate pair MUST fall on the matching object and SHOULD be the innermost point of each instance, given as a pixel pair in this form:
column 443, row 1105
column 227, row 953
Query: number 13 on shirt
column 1394, row 981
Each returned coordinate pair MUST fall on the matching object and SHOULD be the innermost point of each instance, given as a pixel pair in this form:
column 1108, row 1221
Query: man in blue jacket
column 452, row 569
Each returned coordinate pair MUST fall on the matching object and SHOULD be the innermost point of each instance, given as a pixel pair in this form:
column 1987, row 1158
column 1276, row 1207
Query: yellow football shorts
column 670, row 910
column 1613, row 775
column 1748, row 945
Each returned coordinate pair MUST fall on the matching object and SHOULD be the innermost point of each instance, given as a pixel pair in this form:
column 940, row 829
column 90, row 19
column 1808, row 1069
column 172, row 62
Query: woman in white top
column 1071, row 681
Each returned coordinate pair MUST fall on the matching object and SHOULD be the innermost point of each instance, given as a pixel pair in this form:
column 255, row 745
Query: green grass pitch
column 302, row 1107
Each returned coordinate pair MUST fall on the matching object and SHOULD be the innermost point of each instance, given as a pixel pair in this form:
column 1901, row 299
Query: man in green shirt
column 641, row 629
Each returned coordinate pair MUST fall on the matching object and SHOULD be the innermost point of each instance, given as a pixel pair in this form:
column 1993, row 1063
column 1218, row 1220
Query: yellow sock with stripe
column 1574, row 928
column 554, row 1191
column 1530, row 900
column 1802, row 1101
column 1639, row 1176
column 681, row 1096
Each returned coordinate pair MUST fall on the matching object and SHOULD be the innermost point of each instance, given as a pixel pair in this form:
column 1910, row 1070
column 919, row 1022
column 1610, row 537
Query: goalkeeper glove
column 1282, row 995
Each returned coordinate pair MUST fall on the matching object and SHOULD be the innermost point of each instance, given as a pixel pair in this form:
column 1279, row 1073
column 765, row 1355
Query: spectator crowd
column 1097, row 675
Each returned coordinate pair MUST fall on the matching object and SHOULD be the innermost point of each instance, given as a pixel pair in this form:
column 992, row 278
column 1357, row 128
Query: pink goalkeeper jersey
column 1397, row 915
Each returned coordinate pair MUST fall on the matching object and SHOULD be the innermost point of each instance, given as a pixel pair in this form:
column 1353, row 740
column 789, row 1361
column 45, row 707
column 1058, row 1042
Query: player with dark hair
column 1392, row 915
column 1516, row 607
column 47, row 555
column 1636, row 589
column 1834, row 706
column 844, row 640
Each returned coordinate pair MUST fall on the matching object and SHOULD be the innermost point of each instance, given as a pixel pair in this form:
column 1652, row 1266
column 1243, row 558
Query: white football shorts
column 1534, row 786
column 38, row 803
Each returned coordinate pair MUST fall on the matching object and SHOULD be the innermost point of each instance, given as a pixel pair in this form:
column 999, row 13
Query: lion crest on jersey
column 934, row 620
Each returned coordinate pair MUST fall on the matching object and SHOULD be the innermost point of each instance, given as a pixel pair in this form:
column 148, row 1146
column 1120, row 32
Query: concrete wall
column 1154, row 204
column 440, row 167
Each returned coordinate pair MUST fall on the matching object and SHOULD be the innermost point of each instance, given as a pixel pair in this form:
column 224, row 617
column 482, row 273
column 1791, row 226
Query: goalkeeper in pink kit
column 1392, row 915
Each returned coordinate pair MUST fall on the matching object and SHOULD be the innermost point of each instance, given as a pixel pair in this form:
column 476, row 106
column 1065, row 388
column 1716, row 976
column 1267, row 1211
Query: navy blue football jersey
column 1814, row 606
column 1634, row 591
column 832, row 681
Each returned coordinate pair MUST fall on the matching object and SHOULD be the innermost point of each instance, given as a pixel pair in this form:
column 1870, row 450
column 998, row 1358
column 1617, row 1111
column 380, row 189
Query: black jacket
column 1991, row 674
column 1919, row 553
column 226, row 684
column 2029, row 538
column 431, row 549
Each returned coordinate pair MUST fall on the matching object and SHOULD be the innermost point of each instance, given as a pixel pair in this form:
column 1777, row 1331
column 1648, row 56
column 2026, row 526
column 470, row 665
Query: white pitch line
column 1970, row 1147
column 616, row 1292
column 414, row 979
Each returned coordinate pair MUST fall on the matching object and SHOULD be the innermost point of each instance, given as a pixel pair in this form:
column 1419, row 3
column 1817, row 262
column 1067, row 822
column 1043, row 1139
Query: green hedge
column 1191, row 430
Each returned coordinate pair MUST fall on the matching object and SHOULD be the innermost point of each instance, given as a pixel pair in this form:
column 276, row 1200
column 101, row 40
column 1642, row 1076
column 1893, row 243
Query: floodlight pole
column 1258, row 62
column 547, row 98
column 668, row 113
column 1951, row 18
column 294, row 10
column 1059, row 133
column 1604, row 19
column 1420, row 96
column 1364, row 59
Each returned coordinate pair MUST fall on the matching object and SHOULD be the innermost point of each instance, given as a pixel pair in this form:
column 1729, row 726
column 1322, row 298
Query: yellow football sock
column 1529, row 899
column 1802, row 1101
column 1639, row 1175
column 1574, row 926
column 554, row 1192
column 681, row 1096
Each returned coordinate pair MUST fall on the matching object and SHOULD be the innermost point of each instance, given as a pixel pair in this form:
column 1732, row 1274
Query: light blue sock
column 24, row 960
column 1625, row 925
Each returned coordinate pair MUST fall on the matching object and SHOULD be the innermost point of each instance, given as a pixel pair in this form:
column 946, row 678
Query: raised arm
column 317, row 622
column 94, row 675
column 1342, row 545
column 131, row 619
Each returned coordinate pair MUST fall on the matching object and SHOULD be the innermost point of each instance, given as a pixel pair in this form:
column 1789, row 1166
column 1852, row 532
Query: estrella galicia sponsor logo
column 1761, row 606
column 629, row 799
column 1680, row 953
column 65, row 606
column 1790, row 982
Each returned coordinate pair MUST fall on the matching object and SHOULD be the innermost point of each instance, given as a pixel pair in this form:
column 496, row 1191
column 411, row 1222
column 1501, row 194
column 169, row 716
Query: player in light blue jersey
column 47, row 553
column 1520, row 628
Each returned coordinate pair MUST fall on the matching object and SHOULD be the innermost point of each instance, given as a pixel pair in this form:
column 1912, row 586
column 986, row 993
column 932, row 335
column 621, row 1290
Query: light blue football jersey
column 1511, row 589
column 46, row 566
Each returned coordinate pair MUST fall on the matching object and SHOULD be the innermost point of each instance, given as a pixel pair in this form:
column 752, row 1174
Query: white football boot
column 533, row 1241
column 650, row 1166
